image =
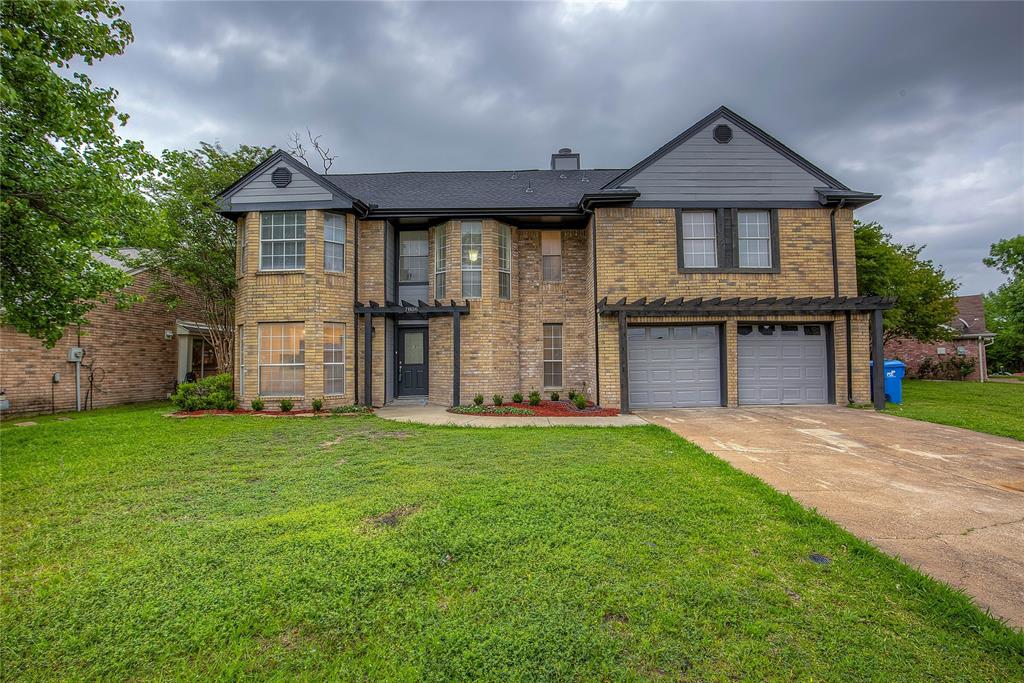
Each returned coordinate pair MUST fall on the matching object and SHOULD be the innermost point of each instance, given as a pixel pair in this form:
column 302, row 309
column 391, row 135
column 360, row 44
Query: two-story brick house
column 719, row 270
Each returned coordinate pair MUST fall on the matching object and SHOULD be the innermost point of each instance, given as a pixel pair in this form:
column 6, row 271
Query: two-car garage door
column 680, row 366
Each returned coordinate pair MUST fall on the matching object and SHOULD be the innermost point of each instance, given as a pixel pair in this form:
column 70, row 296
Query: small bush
column 580, row 401
column 210, row 393
column 286, row 405
column 571, row 394
column 354, row 408
column 554, row 395
column 517, row 397
column 257, row 404
column 491, row 410
column 534, row 398
column 317, row 404
column 478, row 400
column 498, row 399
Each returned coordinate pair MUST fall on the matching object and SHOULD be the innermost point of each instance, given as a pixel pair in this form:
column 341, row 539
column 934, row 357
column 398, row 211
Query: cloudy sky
column 922, row 103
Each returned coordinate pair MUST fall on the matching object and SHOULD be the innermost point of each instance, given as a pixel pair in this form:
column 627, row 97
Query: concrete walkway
column 946, row 500
column 437, row 415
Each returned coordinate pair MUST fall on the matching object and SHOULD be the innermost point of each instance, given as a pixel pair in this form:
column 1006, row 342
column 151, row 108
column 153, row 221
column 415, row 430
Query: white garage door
column 673, row 367
column 781, row 364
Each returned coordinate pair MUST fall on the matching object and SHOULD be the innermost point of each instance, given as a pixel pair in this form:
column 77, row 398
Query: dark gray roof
column 473, row 189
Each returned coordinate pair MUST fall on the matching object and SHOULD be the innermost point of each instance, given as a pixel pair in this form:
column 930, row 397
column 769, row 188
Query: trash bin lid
column 894, row 364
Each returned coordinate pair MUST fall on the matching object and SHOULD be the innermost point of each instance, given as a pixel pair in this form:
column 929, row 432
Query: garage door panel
column 787, row 368
column 675, row 366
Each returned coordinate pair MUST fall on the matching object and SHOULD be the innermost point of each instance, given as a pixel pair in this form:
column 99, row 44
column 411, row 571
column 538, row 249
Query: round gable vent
column 723, row 133
column 281, row 177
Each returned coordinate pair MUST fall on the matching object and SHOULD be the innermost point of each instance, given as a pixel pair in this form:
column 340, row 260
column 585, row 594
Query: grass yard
column 136, row 546
column 990, row 407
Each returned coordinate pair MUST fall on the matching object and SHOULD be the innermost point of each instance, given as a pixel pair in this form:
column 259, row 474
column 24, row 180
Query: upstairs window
column 472, row 258
column 504, row 262
column 412, row 256
column 755, row 239
column 551, row 255
column 700, row 243
column 440, row 259
column 334, row 242
column 283, row 240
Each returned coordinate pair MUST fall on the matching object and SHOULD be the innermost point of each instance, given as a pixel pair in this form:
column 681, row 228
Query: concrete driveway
column 946, row 500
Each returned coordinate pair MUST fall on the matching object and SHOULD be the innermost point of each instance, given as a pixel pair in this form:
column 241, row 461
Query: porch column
column 877, row 369
column 368, row 344
column 623, row 366
column 456, row 356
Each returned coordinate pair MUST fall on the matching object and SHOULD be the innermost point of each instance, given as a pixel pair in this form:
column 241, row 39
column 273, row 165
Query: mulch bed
column 558, row 409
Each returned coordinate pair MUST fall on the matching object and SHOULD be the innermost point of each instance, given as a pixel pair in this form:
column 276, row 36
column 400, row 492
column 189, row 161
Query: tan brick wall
column 636, row 257
column 133, row 359
column 310, row 296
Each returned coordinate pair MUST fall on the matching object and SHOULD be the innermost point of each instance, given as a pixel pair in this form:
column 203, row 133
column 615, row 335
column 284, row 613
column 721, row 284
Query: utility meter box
column 76, row 354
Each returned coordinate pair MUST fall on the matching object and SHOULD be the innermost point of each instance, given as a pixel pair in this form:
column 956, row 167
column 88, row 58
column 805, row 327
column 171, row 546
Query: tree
column 925, row 297
column 297, row 149
column 197, row 245
column 1004, row 308
column 69, row 185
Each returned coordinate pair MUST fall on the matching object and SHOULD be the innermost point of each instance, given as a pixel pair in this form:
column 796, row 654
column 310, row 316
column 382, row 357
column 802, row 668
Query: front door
column 412, row 361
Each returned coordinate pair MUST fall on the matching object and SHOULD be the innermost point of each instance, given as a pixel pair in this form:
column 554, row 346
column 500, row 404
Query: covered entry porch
column 404, row 368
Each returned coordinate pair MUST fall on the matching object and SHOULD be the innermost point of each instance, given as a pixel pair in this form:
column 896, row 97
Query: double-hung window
column 504, row 262
column 440, row 259
column 755, row 239
column 282, row 355
column 243, row 241
column 552, row 355
column 282, row 240
column 334, row 242
column 412, row 256
column 700, row 243
column 241, row 360
column 472, row 258
column 551, row 255
column 334, row 359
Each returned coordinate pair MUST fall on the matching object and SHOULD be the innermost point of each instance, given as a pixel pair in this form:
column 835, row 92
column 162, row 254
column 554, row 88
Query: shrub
column 498, row 399
column 478, row 399
column 955, row 367
column 571, row 394
column 534, row 398
column 517, row 397
column 354, row 408
column 257, row 404
column 286, row 405
column 317, row 404
column 554, row 396
column 210, row 393
column 491, row 410
column 580, row 401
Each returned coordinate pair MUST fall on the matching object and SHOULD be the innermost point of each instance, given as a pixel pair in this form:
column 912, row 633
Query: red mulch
column 560, row 409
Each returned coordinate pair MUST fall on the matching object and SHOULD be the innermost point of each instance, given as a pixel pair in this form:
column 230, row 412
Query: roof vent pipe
column 565, row 160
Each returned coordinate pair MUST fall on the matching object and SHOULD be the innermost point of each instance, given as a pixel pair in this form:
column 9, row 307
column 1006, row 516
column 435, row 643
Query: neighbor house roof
column 473, row 189
column 970, row 320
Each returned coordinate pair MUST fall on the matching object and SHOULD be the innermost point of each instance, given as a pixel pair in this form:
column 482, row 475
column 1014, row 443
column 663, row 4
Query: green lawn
column 990, row 407
column 138, row 546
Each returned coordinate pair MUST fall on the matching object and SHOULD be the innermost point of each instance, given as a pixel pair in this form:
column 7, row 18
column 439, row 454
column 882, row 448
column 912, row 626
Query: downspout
column 846, row 314
column 355, row 316
column 597, row 345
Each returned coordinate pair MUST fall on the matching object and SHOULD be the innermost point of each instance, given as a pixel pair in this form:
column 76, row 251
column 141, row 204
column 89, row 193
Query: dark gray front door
column 412, row 361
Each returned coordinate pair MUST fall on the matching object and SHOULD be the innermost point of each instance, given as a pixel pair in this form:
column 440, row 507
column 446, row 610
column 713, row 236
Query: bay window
column 282, row 240
column 472, row 259
column 334, row 242
column 282, row 359
column 504, row 262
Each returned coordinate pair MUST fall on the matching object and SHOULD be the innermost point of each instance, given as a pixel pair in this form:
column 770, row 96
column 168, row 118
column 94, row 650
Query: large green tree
column 925, row 297
column 1004, row 308
column 197, row 246
column 69, row 182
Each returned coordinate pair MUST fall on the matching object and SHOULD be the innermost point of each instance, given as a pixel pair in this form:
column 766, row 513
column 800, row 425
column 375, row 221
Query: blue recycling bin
column 893, row 371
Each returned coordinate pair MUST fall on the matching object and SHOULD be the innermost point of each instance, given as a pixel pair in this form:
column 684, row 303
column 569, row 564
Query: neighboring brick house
column 135, row 354
column 719, row 270
column 969, row 341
